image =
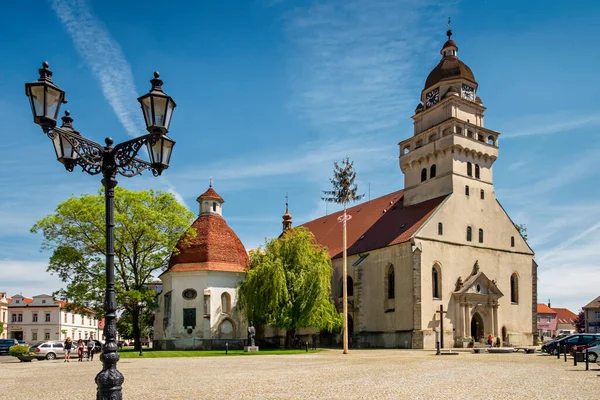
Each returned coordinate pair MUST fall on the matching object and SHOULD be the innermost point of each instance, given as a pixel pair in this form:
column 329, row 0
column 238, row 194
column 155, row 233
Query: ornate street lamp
column 72, row 149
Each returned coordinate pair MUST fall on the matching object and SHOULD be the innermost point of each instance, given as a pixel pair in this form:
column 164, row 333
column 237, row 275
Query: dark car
column 577, row 339
column 549, row 347
column 6, row 344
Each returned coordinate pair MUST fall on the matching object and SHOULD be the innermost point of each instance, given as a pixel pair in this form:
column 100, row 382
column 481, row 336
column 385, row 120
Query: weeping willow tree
column 288, row 285
column 344, row 191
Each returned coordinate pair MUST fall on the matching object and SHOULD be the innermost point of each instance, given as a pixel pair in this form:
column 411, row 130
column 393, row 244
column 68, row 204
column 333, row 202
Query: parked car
column 593, row 353
column 549, row 347
column 6, row 344
column 22, row 342
column 581, row 348
column 574, row 340
column 50, row 350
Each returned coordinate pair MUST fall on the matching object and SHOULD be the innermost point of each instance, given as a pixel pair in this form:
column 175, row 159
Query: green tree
column 1, row 328
column 580, row 322
column 148, row 224
column 522, row 230
column 288, row 285
column 344, row 191
column 125, row 323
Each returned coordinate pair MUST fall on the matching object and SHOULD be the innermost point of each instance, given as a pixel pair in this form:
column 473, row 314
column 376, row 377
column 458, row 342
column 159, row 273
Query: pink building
column 546, row 322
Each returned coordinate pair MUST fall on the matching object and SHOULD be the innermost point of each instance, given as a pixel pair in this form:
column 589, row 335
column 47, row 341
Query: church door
column 477, row 327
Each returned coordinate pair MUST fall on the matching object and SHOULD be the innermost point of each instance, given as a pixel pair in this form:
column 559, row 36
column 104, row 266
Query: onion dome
column 214, row 245
column 420, row 107
column 452, row 91
column 450, row 67
column 287, row 218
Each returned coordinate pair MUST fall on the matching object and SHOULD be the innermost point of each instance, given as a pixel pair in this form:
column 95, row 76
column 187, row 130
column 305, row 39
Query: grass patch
column 151, row 353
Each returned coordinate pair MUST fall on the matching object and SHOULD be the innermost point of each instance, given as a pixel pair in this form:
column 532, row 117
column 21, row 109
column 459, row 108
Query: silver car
column 50, row 350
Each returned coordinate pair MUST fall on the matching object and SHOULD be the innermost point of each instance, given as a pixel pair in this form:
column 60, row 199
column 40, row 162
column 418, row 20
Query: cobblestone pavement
column 366, row 374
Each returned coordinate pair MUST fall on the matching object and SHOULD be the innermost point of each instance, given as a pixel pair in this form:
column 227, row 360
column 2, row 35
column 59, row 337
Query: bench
column 527, row 350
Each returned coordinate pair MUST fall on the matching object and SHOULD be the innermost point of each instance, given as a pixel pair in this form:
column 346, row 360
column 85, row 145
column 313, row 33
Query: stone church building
column 197, row 304
column 444, row 242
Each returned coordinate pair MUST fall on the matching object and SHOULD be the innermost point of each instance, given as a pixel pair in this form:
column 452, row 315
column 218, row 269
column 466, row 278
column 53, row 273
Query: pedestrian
column 68, row 347
column 91, row 347
column 490, row 340
column 80, row 349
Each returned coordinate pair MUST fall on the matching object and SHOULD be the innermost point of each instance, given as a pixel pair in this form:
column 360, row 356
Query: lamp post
column 73, row 149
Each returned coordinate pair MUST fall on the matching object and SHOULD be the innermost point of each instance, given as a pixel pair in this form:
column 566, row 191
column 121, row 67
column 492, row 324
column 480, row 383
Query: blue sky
column 271, row 92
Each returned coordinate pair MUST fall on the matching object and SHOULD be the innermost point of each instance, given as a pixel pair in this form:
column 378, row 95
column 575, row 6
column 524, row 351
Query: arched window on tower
column 514, row 289
column 423, row 174
column 436, row 281
column 480, row 235
column 469, row 169
column 225, row 303
column 432, row 171
column 214, row 206
column 469, row 234
column 477, row 171
column 440, row 229
column 391, row 293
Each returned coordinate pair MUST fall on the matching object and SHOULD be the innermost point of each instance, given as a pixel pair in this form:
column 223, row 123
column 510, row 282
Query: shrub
column 498, row 342
column 19, row 350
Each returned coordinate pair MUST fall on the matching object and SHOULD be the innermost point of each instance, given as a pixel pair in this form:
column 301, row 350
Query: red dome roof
column 211, row 194
column 215, row 247
column 450, row 43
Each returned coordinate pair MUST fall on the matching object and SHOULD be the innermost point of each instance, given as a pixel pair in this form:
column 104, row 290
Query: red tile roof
column 544, row 309
column 27, row 300
column 565, row 316
column 211, row 194
column 214, row 247
column 375, row 224
column 594, row 303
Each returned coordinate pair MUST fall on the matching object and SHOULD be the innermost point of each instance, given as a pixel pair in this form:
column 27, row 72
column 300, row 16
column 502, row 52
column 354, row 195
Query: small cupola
column 210, row 202
column 287, row 218
column 450, row 49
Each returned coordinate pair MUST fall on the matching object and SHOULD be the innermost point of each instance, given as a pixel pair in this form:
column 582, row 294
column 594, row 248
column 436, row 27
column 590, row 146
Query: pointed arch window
column 436, row 282
column 481, row 236
column 391, row 293
column 514, row 289
column 432, row 171
column 423, row 174
column 477, row 171
column 350, row 286
column 469, row 169
column 469, row 234
column 440, row 228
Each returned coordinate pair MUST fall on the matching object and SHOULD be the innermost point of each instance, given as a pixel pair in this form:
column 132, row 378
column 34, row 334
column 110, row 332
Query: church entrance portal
column 477, row 327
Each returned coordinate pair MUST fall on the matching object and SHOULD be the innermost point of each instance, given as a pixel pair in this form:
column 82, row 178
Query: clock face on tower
column 468, row 93
column 432, row 97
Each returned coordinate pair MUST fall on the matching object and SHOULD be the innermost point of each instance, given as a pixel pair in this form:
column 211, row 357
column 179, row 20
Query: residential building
column 592, row 316
column 546, row 322
column 4, row 300
column 44, row 318
column 565, row 320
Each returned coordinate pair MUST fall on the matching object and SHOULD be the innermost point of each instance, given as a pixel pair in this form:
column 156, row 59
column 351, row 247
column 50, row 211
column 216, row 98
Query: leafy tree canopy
column 1, row 328
column 580, row 322
column 148, row 225
column 522, row 230
column 288, row 285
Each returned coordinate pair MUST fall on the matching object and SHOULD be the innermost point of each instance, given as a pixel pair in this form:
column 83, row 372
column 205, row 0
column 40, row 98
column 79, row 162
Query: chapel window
column 225, row 303
column 436, row 282
column 391, row 283
column 469, row 169
column 469, row 234
column 350, row 286
column 423, row 174
column 432, row 171
column 514, row 289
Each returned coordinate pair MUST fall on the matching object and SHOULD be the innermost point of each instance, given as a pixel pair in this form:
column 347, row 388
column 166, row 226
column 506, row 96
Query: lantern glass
column 65, row 152
column 53, row 99
column 160, row 152
column 169, row 113
column 36, row 95
column 147, row 110
column 160, row 109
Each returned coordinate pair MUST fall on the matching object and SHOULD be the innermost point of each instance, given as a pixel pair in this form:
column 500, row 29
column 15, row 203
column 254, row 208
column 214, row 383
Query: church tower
column 450, row 150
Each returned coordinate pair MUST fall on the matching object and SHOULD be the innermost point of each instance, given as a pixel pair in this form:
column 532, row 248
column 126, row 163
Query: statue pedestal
column 250, row 349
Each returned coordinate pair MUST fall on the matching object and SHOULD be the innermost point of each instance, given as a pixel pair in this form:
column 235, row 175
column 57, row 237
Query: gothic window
column 469, row 169
column 423, row 174
column 436, row 282
column 512, row 241
column 482, row 194
column 477, row 171
column 469, row 234
column 481, row 236
column 225, row 303
column 391, row 283
column 467, row 190
column 432, row 171
column 167, row 314
column 226, row 330
column 207, row 305
column 440, row 229
column 350, row 286
column 514, row 289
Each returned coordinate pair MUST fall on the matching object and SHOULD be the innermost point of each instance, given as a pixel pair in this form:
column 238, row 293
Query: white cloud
column 27, row 277
column 102, row 53
column 552, row 123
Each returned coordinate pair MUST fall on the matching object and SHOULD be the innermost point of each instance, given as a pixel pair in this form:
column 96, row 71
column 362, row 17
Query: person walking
column 490, row 340
column 91, row 347
column 80, row 350
column 68, row 347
